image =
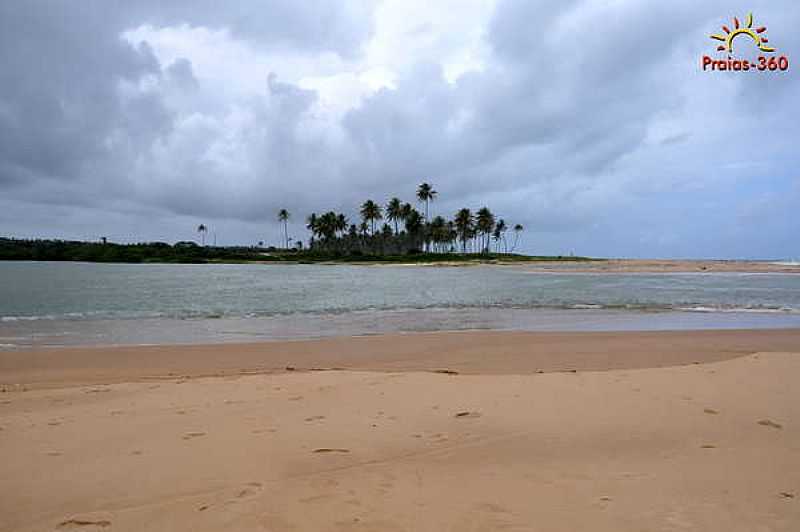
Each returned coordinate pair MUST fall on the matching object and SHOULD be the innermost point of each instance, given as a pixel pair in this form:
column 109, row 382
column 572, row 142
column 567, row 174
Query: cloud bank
column 591, row 123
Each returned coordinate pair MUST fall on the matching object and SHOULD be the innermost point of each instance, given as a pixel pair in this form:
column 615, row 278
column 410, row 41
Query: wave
column 195, row 314
column 754, row 310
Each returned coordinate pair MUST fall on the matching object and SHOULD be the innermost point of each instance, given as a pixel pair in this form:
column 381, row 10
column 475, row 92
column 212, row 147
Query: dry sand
column 637, row 438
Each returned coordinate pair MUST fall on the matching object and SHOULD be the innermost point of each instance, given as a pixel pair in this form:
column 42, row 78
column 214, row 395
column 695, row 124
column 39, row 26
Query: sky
column 589, row 122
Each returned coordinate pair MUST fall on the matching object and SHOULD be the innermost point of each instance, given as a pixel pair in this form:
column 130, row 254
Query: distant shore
column 191, row 253
column 665, row 266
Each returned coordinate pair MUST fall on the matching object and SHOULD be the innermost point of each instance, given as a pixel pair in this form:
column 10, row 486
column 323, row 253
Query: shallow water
column 78, row 303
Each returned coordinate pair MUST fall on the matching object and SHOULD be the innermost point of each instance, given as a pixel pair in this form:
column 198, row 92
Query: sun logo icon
column 755, row 34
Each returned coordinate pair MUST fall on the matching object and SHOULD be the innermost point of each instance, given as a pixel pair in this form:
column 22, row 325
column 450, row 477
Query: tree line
column 104, row 251
column 399, row 228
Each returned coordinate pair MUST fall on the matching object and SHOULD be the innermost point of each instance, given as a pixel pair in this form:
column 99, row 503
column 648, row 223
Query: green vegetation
column 65, row 250
column 191, row 253
column 480, row 233
column 467, row 238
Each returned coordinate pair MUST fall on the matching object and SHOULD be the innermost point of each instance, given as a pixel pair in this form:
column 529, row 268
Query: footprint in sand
column 330, row 450
column 315, row 498
column 86, row 522
column 251, row 489
column 770, row 423
column 190, row 435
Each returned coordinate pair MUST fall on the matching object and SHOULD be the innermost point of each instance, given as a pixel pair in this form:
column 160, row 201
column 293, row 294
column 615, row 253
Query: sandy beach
column 525, row 431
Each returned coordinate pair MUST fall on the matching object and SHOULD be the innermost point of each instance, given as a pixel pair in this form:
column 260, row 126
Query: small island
column 405, row 236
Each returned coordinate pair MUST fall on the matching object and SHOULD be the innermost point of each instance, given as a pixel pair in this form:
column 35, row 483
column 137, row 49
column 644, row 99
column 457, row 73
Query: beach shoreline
column 655, row 266
column 617, row 431
column 466, row 352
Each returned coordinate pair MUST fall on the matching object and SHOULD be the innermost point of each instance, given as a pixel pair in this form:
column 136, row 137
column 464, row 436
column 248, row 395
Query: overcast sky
column 590, row 122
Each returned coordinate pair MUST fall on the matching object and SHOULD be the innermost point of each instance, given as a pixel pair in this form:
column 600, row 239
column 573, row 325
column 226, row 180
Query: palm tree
column 438, row 231
column 312, row 224
column 426, row 193
column 452, row 234
column 327, row 227
column 464, row 225
column 341, row 223
column 405, row 211
column 499, row 234
column 283, row 216
column 517, row 230
column 485, row 225
column 371, row 212
column 394, row 211
column 414, row 224
column 202, row 229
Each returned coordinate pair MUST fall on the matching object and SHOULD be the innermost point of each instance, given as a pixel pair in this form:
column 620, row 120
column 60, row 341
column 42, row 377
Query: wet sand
column 663, row 266
column 467, row 352
column 622, row 431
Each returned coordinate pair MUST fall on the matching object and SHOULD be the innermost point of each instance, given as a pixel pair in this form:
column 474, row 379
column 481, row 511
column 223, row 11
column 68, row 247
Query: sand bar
column 664, row 266
column 471, row 352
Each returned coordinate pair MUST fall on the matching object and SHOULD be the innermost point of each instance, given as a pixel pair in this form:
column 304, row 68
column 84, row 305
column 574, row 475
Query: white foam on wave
column 750, row 310
column 25, row 318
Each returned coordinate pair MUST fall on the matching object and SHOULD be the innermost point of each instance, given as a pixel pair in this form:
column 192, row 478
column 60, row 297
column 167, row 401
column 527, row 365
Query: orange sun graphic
column 755, row 34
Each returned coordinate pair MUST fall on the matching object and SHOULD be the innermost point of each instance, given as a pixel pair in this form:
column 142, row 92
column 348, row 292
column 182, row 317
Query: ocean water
column 77, row 303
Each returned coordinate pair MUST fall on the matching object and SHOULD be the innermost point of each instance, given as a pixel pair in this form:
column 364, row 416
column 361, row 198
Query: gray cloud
column 590, row 124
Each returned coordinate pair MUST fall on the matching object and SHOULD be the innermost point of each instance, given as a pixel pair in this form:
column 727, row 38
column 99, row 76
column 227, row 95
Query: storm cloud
column 591, row 123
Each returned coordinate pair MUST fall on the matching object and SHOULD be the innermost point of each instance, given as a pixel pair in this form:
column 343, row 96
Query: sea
column 56, row 304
